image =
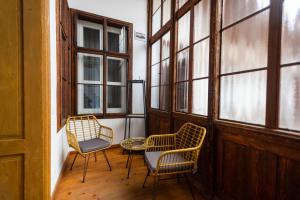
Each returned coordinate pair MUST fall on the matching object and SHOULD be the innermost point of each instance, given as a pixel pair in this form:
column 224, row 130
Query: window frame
column 106, row 22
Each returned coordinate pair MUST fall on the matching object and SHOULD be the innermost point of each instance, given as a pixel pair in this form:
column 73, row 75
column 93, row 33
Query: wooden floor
column 101, row 184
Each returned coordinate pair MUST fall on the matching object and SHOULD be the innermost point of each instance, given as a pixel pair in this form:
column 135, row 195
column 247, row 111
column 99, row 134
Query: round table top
column 134, row 144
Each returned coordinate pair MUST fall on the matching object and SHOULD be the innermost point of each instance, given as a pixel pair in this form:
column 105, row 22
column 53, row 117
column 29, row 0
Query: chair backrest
column 190, row 135
column 84, row 127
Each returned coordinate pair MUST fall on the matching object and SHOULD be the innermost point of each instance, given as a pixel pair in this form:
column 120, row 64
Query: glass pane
column 155, row 75
column 91, row 38
column 116, row 99
column 156, row 21
column 165, row 72
column 290, row 51
column 202, row 18
column 89, row 98
column 116, row 70
column 155, row 97
column 166, row 46
column 184, row 31
column 164, row 97
column 89, row 35
column 245, row 45
column 243, row 97
column 155, row 53
column 166, row 11
column 180, row 3
column 234, row 10
column 183, row 65
column 290, row 98
column 117, row 39
column 201, row 59
column 182, row 97
column 89, row 68
column 200, row 97
column 155, row 5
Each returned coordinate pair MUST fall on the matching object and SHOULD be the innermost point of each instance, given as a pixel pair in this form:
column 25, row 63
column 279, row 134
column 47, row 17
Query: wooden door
column 24, row 100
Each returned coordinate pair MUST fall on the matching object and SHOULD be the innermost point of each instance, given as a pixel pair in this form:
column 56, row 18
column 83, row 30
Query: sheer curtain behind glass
column 290, row 70
column 244, row 47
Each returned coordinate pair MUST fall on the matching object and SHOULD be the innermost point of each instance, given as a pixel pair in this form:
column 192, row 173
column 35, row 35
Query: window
column 290, row 67
column 102, row 65
column 160, row 73
column 244, row 53
column 161, row 14
column 192, row 63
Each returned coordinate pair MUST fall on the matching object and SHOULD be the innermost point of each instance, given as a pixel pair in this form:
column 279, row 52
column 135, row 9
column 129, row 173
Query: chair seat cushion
column 152, row 159
column 93, row 145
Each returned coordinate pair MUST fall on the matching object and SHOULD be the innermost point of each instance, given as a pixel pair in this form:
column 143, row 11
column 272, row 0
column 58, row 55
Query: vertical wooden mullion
column 213, row 86
column 105, row 65
column 174, row 53
column 273, row 71
column 191, row 61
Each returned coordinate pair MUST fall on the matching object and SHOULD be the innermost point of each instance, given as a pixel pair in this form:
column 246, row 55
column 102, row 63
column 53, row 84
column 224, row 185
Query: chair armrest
column 73, row 142
column 162, row 142
column 179, row 159
column 106, row 133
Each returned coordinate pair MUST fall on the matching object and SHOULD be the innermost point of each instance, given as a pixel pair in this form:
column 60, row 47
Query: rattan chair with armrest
column 174, row 154
column 87, row 136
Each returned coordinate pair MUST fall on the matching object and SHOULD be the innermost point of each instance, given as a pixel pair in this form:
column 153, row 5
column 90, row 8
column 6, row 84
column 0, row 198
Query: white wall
column 133, row 11
column 59, row 146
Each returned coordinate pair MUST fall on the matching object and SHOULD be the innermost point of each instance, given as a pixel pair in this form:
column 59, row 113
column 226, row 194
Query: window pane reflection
column 155, row 97
column 164, row 97
column 166, row 11
column 243, row 97
column 290, row 98
column 245, row 45
column 234, row 10
column 155, row 53
column 156, row 21
column 201, row 59
column 184, row 31
column 200, row 97
column 182, row 97
column 202, row 18
column 183, row 65
column 155, row 75
column 290, row 51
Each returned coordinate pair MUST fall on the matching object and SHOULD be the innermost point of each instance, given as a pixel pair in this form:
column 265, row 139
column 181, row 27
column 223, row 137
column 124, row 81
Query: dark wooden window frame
column 273, row 67
column 105, row 21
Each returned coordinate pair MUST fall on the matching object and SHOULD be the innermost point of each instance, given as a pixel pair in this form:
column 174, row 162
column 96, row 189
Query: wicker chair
column 87, row 136
column 174, row 154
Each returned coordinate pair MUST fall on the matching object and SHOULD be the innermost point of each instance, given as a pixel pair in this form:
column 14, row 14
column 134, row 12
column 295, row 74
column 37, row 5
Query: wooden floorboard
column 101, row 184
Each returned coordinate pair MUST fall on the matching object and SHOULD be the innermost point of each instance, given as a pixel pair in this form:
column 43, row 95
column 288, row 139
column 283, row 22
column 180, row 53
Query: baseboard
column 60, row 175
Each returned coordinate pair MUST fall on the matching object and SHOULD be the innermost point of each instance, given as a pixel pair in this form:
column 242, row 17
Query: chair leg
column 95, row 157
column 73, row 161
column 107, row 160
column 190, row 186
column 148, row 173
column 86, row 163
column 155, row 184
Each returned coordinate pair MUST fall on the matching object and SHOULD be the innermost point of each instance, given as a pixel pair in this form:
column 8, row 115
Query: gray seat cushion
column 93, row 145
column 152, row 159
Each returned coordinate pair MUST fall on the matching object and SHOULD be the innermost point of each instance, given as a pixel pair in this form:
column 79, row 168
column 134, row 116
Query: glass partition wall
column 245, row 74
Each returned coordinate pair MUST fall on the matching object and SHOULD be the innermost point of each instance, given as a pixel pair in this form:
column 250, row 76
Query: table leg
column 128, row 158
column 130, row 162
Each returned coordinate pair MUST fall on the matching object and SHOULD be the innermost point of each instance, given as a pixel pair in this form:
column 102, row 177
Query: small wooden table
column 131, row 145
